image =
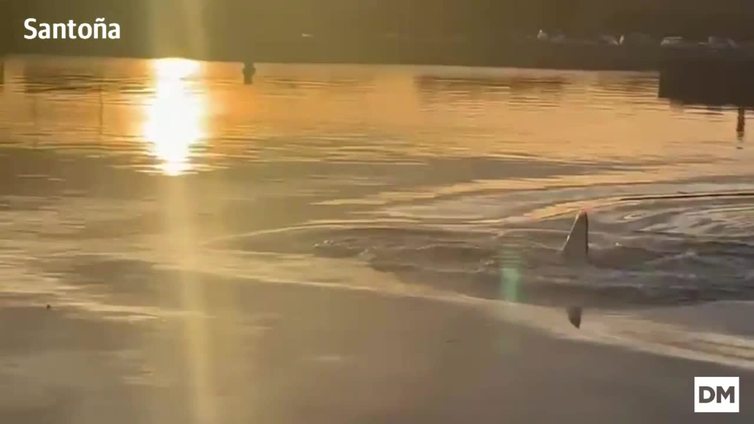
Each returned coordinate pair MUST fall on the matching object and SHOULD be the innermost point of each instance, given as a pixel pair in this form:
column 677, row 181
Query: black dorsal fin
column 576, row 247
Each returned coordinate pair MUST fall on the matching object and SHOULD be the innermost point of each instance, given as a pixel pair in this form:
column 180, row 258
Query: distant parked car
column 556, row 37
column 637, row 39
column 609, row 40
column 720, row 43
column 677, row 42
column 672, row 41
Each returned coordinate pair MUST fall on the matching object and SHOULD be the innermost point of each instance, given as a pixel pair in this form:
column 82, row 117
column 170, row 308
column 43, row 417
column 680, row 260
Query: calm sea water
column 456, row 180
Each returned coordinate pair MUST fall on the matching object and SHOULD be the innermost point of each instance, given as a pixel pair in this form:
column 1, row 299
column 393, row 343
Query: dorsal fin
column 576, row 247
column 574, row 315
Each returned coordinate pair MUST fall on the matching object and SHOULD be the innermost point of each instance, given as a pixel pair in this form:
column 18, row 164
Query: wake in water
column 643, row 252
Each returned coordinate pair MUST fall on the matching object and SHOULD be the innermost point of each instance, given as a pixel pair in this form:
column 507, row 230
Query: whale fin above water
column 576, row 247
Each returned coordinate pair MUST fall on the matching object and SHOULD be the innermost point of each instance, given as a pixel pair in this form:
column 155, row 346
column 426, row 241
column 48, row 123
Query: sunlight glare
column 175, row 117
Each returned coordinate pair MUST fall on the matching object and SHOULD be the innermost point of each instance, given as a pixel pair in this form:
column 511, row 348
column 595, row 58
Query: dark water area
column 454, row 179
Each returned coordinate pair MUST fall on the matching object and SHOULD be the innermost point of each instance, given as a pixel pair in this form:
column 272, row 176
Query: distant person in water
column 248, row 72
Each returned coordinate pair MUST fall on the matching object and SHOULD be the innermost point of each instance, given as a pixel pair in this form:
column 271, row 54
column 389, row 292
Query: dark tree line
column 231, row 27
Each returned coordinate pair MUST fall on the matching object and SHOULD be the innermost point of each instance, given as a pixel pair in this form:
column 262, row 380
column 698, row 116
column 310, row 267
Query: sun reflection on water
column 175, row 116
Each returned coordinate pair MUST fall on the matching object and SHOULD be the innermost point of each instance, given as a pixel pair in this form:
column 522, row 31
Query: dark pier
column 717, row 78
column 720, row 78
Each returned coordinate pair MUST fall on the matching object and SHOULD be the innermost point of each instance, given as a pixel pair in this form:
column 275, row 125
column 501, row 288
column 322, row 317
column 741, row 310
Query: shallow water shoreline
column 285, row 353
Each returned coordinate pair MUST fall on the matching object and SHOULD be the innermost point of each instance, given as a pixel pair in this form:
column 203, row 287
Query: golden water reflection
column 175, row 116
column 181, row 116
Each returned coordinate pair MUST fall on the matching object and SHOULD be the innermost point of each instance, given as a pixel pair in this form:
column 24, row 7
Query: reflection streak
column 175, row 117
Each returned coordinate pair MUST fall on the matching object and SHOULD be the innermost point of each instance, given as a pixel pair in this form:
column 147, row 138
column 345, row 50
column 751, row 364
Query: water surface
column 457, row 180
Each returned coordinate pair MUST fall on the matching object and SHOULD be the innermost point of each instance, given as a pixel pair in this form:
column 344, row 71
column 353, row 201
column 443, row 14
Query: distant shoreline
column 524, row 54
column 511, row 53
